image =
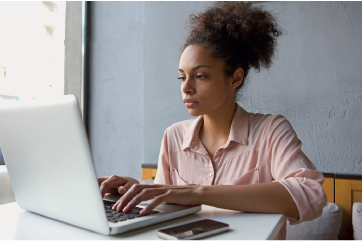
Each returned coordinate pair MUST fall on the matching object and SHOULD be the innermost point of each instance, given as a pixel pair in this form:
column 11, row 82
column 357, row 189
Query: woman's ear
column 238, row 77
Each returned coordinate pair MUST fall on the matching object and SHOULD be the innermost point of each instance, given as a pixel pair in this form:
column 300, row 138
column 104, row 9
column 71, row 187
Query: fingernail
column 125, row 208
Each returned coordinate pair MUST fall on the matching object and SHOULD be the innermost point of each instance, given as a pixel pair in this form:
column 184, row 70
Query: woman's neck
column 216, row 125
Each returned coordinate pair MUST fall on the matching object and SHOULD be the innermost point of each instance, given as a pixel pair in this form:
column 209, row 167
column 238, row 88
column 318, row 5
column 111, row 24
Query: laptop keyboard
column 115, row 217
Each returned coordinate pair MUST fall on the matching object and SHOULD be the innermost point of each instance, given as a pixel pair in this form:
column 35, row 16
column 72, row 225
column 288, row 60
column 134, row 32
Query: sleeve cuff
column 308, row 196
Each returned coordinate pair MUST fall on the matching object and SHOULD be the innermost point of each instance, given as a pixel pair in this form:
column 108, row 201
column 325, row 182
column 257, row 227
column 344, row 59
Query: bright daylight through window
column 31, row 50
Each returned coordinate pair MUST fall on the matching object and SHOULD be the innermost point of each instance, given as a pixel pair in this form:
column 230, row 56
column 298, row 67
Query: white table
column 17, row 223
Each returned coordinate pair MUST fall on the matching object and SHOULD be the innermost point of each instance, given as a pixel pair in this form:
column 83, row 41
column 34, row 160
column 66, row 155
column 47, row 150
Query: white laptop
column 51, row 171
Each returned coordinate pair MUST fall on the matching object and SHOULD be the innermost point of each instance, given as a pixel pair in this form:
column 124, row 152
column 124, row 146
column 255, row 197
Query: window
column 51, row 6
column 31, row 50
column 49, row 30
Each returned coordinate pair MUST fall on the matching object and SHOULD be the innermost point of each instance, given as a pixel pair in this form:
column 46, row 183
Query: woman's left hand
column 184, row 195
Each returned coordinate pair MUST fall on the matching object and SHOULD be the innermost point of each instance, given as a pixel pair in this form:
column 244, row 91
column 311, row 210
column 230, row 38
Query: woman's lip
column 191, row 104
column 190, row 100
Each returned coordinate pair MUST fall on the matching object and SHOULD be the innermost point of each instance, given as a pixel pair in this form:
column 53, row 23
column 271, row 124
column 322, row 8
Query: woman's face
column 204, row 86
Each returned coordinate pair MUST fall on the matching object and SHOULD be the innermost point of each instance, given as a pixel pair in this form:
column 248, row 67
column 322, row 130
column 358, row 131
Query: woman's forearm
column 264, row 198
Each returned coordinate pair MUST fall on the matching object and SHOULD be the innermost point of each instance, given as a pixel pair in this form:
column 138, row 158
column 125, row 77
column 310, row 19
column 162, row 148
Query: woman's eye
column 200, row 76
column 182, row 78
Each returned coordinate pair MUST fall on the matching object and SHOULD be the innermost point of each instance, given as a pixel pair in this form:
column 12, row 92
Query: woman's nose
column 187, row 87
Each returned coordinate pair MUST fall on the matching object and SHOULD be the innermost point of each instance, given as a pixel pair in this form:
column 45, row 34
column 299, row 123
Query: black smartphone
column 194, row 230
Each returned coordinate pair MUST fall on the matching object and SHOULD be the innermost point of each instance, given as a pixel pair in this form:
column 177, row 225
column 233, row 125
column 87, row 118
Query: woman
column 227, row 157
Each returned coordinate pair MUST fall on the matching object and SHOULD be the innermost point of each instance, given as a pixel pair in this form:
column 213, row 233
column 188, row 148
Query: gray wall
column 116, row 88
column 315, row 80
column 165, row 32
column 73, row 49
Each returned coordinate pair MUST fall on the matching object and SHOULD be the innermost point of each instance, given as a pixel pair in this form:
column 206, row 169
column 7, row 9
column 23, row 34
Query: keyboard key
column 121, row 218
column 114, row 216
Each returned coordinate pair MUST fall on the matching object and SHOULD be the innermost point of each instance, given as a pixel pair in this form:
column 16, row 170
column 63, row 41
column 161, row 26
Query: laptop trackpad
column 112, row 197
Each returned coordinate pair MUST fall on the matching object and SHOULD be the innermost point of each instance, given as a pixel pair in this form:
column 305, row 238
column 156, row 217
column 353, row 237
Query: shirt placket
column 218, row 158
column 199, row 148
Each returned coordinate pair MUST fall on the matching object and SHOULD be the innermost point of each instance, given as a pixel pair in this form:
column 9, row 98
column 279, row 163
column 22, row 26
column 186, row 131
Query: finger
column 114, row 207
column 156, row 201
column 145, row 194
column 101, row 179
column 112, row 190
column 112, row 181
column 123, row 201
column 130, row 194
column 133, row 203
column 123, row 189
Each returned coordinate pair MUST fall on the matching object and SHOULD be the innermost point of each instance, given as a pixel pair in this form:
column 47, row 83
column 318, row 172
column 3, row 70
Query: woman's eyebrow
column 195, row 68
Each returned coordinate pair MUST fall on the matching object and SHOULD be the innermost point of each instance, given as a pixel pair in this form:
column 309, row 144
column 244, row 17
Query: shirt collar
column 239, row 130
column 192, row 133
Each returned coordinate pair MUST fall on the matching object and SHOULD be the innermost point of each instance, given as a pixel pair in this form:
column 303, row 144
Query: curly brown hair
column 241, row 34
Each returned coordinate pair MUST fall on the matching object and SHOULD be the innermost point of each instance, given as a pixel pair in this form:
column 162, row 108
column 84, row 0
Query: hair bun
column 242, row 34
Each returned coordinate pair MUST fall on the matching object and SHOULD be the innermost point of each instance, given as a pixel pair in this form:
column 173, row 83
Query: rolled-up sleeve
column 293, row 169
column 163, row 167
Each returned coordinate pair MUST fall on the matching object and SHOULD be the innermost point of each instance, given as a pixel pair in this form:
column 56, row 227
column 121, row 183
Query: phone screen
column 194, row 228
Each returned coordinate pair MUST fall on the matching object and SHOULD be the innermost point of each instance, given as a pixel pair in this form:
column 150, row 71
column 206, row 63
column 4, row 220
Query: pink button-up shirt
column 260, row 149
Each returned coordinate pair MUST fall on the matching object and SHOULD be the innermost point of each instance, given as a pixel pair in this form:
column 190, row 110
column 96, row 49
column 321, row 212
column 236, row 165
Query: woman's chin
column 194, row 112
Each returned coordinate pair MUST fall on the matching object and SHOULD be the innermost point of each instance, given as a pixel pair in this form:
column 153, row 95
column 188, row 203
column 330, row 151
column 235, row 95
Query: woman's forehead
column 196, row 55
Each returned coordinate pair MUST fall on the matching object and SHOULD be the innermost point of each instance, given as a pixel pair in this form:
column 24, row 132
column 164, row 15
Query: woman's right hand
column 115, row 184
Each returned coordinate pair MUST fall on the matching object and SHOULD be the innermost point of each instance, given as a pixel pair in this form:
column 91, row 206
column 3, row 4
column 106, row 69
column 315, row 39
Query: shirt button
column 256, row 168
column 173, row 169
column 210, row 174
